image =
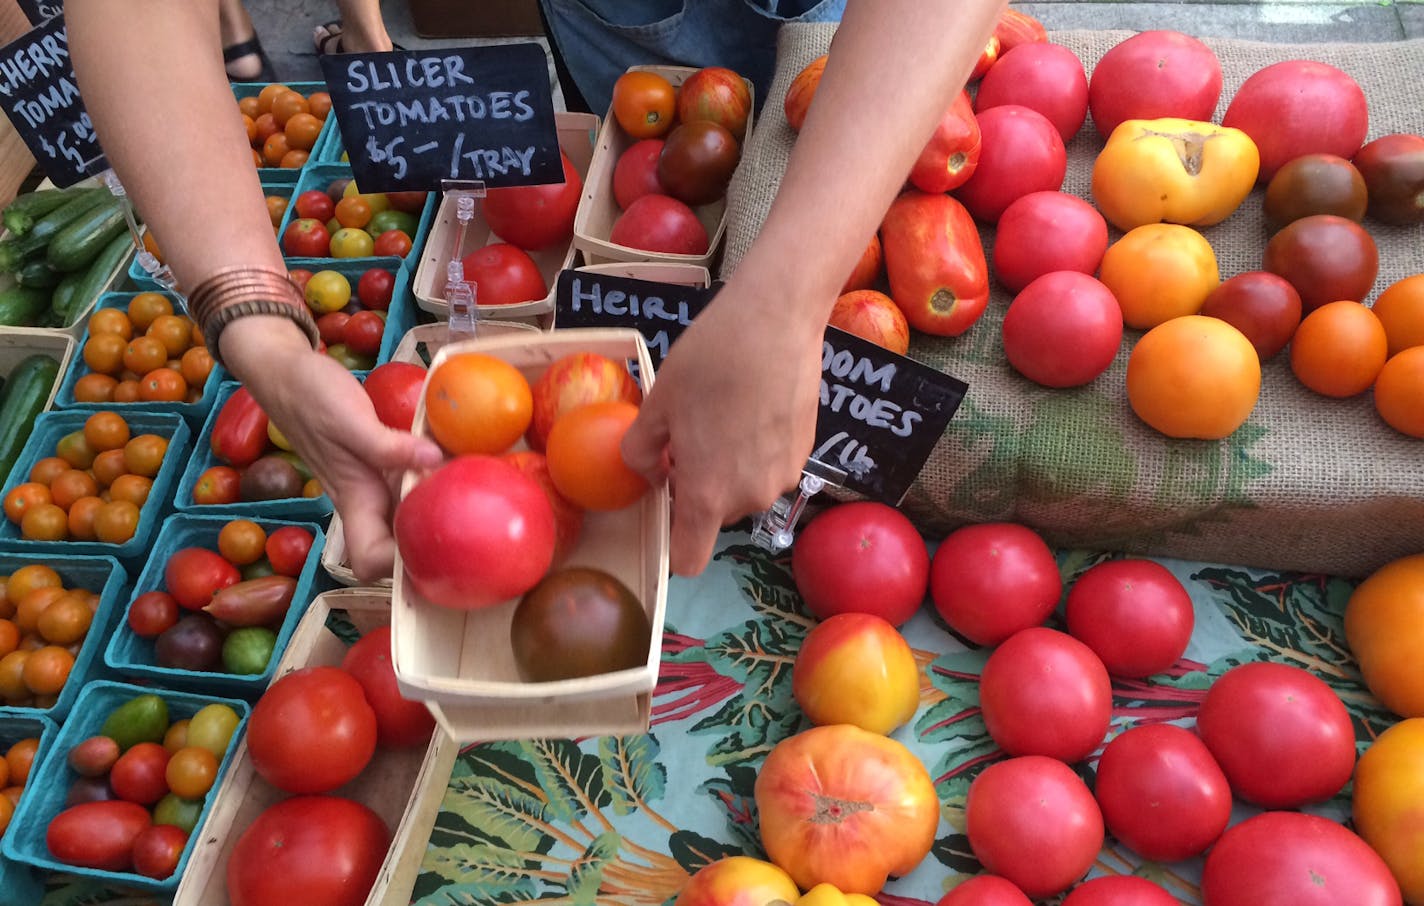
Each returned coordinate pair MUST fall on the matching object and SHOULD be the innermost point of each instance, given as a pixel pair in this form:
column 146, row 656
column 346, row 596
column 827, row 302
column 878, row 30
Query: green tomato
column 248, row 651
column 181, row 813
column 212, row 728
column 328, row 291
column 257, row 569
column 349, row 242
column 393, row 220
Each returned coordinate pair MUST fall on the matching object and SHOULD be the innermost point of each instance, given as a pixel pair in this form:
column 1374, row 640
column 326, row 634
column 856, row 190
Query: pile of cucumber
column 23, row 397
column 62, row 247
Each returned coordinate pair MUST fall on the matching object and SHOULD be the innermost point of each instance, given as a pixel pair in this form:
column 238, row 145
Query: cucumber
column 22, row 213
column 21, row 306
column 110, row 257
column 61, row 298
column 37, row 274
column 26, row 395
column 13, row 252
column 81, row 241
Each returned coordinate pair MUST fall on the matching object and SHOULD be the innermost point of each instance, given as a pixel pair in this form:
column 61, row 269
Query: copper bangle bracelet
column 236, row 292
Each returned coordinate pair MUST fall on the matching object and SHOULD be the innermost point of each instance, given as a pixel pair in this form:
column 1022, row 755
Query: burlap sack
column 1308, row 483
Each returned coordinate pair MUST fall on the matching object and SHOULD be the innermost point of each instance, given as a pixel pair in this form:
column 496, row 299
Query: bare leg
column 236, row 28
column 361, row 30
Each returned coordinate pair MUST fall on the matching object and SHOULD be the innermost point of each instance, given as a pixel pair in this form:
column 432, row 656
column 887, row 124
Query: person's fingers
column 396, row 451
column 645, row 444
column 365, row 508
column 695, row 525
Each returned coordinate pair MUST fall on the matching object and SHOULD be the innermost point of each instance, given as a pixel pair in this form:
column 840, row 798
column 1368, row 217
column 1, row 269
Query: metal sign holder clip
column 775, row 528
column 460, row 295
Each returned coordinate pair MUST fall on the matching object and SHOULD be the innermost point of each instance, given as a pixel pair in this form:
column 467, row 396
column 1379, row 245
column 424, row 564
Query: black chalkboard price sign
column 41, row 98
column 881, row 414
column 411, row 119
column 38, row 11
column 660, row 311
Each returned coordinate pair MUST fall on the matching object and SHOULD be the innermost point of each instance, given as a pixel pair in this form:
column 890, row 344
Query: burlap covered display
column 1308, row 483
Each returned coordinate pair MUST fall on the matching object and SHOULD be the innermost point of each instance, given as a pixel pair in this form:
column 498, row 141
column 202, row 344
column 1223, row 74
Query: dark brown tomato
column 697, row 162
column 1314, row 184
column 1393, row 168
column 1326, row 258
column 270, row 478
column 577, row 622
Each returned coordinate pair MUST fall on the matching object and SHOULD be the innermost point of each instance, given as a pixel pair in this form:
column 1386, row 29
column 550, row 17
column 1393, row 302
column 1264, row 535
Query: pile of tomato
column 92, row 488
column 283, row 124
column 352, row 324
column 255, row 460
column 143, row 353
column 344, row 222
column 42, row 630
column 15, row 769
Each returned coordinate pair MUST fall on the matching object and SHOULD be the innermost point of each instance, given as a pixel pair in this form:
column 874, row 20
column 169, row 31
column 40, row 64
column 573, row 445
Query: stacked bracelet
column 235, row 292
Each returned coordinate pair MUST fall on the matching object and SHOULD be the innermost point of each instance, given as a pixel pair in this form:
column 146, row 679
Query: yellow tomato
column 275, row 435
column 856, row 668
column 1389, row 803
column 1158, row 272
column 828, row 895
column 1384, row 626
column 328, row 291
column 740, row 880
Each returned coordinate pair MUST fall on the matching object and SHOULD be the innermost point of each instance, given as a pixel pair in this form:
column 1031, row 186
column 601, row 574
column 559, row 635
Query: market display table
column 626, row 821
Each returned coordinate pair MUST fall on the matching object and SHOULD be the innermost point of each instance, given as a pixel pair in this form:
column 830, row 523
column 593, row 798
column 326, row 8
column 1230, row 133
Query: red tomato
column 1064, row 329
column 1281, row 735
column 536, row 217
column 314, row 204
column 862, row 557
column 1020, row 152
column 363, row 331
column 989, row 581
column 97, row 834
column 717, row 94
column 375, row 288
column 1041, row 76
column 1043, row 232
column 306, row 237
column 400, row 723
column 287, row 550
column 934, row 261
column 636, row 173
column 393, row 243
column 300, row 276
column 1325, row 258
column 194, row 574
column 159, row 848
column 985, row 890
column 1294, row 859
column 311, row 850
column 410, row 202
column 394, row 389
column 1161, row 792
column 1263, row 306
column 1064, row 719
column 503, row 274
column 1151, row 75
column 1299, row 107
column 952, row 153
column 1134, row 614
column 568, row 517
column 139, row 774
column 660, row 223
column 330, row 326
column 311, row 731
column 474, row 533
column 570, row 382
column 151, row 613
column 1119, row 890
column 1033, row 821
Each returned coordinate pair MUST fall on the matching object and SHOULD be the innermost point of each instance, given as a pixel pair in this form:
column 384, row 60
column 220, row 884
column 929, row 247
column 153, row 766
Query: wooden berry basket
column 403, row 786
column 461, row 663
column 19, row 343
column 599, row 209
column 576, row 135
column 426, row 339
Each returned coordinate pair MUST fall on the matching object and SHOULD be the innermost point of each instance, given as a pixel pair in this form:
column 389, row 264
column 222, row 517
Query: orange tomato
column 111, row 320
column 109, row 466
column 72, row 485
column 173, row 331
column 196, row 365
column 737, row 879
column 320, row 103
column 1400, row 308
column 46, row 522
column 145, row 308
column 20, row 757
column 1339, row 349
column 250, row 125
column 162, row 385
column 81, row 518
column 65, row 620
column 191, row 772
column 585, row 456
column 242, row 541
column 106, row 431
column 644, row 104
column 1388, row 799
column 132, row 488
column 75, row 450
column 1193, row 377
column 47, row 670
column 144, row 454
column 266, row 128
column 1384, row 627
column 116, row 521
column 268, row 95
column 126, row 392
column 24, row 497
column 1399, row 392
column 476, row 403
column 249, row 107
column 32, row 605
column 150, row 244
column 9, row 641
column 95, row 387
column 302, row 131
column 218, row 484
column 274, row 148
column 104, row 352
column 287, row 105
column 145, row 353
column 1158, row 272
column 12, row 681
column 353, row 211
column 276, row 209
column 801, row 92
column 29, row 577
column 294, row 159
column 47, row 468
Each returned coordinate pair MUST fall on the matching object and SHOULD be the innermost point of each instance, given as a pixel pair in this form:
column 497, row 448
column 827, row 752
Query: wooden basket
column 19, row 343
column 599, row 209
column 576, row 132
column 403, row 786
column 432, row 337
column 461, row 664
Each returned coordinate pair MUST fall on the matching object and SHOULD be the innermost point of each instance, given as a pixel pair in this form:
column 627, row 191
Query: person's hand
column 329, row 419
column 731, row 419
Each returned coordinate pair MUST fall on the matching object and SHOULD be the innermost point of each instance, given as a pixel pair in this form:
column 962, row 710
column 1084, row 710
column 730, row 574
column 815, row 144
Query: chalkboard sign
column 880, row 414
column 410, row 119
column 41, row 99
column 661, row 311
column 39, row 11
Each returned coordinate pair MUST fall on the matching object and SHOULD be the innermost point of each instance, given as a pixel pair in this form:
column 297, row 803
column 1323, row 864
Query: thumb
column 645, row 445
column 396, row 451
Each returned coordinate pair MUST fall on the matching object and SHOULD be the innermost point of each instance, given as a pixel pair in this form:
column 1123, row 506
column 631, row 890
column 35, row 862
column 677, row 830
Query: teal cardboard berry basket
column 316, row 509
column 288, row 175
column 400, row 314
column 46, row 799
column 49, row 428
column 131, row 656
column 322, row 175
column 193, row 413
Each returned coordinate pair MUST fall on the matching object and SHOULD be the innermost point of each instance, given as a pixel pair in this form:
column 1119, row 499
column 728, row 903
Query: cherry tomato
column 218, row 484
column 349, row 242
column 363, row 331
column 97, row 834
column 393, row 243
column 306, row 237
column 191, row 771
column 158, row 850
column 152, row 613
column 315, row 204
column 328, row 291
column 194, row 574
column 288, row 548
column 375, row 288
column 138, row 775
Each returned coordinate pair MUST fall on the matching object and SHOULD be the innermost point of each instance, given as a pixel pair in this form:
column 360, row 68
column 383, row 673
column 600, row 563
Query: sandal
column 249, row 48
column 327, row 39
